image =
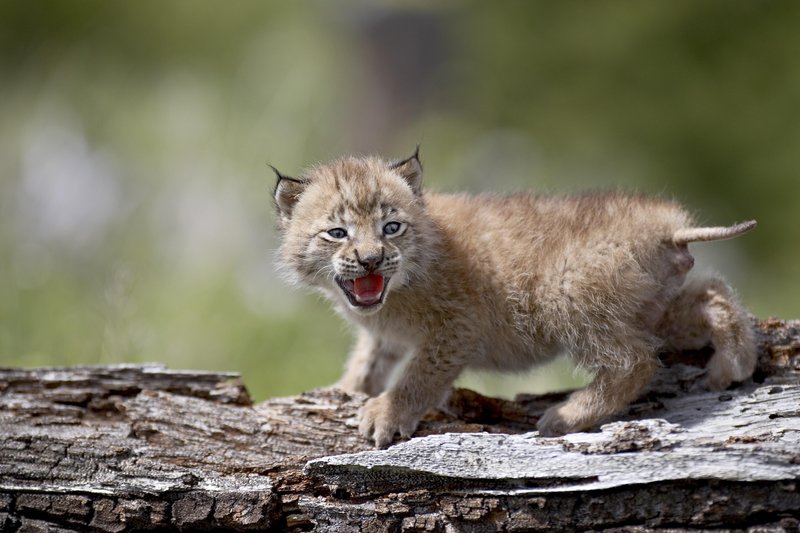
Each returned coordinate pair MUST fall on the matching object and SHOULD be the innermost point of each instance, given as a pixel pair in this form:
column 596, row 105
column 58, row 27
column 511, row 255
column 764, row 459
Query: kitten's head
column 354, row 228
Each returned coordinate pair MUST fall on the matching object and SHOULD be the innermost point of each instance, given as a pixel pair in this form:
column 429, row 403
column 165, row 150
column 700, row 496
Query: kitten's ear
column 287, row 191
column 411, row 171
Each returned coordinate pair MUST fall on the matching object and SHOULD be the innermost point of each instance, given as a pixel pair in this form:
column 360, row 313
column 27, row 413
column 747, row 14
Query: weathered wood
column 131, row 448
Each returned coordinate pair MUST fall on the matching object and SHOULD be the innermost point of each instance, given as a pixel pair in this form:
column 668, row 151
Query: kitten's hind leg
column 612, row 390
column 370, row 366
column 706, row 311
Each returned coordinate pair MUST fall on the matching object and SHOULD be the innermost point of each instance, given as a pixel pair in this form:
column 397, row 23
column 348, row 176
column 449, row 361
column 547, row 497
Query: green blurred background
column 135, row 212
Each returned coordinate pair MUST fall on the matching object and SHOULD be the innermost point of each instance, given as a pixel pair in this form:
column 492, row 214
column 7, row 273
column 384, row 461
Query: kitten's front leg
column 423, row 384
column 370, row 365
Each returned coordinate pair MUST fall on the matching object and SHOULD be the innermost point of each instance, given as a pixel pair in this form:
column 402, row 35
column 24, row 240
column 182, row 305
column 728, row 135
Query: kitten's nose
column 372, row 261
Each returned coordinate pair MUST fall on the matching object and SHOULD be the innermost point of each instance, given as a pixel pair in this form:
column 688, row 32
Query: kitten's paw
column 719, row 377
column 725, row 367
column 382, row 417
column 560, row 420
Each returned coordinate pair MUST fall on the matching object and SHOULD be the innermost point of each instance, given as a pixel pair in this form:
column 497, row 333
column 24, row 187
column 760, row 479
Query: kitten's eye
column 337, row 233
column 391, row 228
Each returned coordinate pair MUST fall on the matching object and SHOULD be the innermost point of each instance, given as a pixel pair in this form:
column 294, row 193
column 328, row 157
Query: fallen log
column 137, row 448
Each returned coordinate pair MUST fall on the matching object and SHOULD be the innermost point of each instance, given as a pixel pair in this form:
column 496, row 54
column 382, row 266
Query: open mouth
column 365, row 291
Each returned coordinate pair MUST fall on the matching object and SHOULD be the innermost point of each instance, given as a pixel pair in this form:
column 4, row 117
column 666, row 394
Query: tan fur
column 504, row 283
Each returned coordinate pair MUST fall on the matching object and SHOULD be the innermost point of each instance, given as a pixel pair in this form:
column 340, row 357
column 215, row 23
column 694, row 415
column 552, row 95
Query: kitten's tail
column 687, row 235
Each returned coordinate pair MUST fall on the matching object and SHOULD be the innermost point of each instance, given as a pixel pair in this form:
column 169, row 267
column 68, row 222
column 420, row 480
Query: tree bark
column 135, row 448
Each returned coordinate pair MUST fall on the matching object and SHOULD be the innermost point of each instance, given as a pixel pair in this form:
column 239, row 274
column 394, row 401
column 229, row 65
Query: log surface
column 135, row 448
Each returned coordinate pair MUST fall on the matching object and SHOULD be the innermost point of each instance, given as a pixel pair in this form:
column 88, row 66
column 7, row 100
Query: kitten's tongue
column 368, row 289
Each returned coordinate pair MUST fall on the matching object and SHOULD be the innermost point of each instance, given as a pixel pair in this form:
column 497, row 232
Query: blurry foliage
column 135, row 216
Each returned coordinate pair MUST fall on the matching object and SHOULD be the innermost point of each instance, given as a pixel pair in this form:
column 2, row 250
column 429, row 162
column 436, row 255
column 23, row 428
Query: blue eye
column 337, row 233
column 391, row 228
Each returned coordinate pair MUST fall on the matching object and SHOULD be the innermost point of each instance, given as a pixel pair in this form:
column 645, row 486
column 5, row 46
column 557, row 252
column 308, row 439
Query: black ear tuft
column 277, row 172
column 411, row 170
column 287, row 192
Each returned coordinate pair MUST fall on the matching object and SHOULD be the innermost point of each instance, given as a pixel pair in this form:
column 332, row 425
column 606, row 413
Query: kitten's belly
column 515, row 353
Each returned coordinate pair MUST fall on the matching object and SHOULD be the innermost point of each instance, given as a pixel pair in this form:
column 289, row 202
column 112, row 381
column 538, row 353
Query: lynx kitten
column 504, row 283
